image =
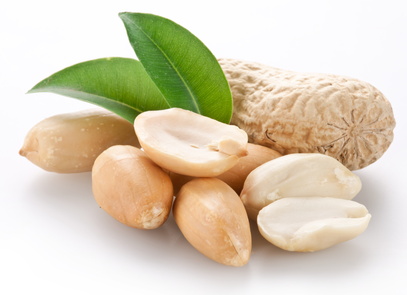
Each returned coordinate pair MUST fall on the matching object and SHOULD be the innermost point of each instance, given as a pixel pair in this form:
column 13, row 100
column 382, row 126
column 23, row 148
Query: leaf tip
column 32, row 90
column 124, row 14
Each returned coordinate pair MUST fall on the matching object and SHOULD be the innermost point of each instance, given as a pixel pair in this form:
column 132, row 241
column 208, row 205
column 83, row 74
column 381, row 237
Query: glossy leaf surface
column 182, row 67
column 120, row 85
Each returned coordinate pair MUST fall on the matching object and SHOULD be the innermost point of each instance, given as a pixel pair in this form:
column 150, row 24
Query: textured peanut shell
column 292, row 112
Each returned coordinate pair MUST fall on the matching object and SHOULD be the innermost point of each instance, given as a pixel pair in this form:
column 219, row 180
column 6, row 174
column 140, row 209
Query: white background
column 54, row 239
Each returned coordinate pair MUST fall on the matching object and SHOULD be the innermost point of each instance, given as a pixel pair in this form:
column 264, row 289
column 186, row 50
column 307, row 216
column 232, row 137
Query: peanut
column 132, row 188
column 312, row 223
column 187, row 143
column 298, row 175
column 212, row 218
column 70, row 143
column 256, row 156
column 292, row 112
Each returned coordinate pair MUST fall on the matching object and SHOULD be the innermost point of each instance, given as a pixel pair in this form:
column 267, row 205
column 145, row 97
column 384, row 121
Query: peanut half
column 187, row 143
column 132, row 188
column 311, row 223
column 213, row 219
column 293, row 112
column 298, row 175
column 70, row 143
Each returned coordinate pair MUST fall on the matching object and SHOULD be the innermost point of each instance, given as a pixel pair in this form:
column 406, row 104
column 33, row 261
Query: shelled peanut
column 302, row 202
column 70, row 142
column 212, row 218
column 294, row 175
column 132, row 188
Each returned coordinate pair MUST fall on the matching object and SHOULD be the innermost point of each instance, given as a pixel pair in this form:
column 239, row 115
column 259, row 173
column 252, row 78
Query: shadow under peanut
column 67, row 200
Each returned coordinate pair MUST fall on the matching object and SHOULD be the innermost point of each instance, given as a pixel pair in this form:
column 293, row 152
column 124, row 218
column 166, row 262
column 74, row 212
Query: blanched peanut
column 298, row 175
column 187, row 143
column 132, row 188
column 309, row 224
column 70, row 143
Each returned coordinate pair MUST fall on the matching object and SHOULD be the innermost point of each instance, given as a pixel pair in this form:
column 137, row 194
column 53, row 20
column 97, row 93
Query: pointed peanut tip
column 29, row 150
column 29, row 147
column 22, row 152
column 242, row 256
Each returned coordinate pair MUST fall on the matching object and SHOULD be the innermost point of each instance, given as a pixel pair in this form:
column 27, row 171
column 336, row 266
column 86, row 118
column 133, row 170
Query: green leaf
column 120, row 85
column 182, row 67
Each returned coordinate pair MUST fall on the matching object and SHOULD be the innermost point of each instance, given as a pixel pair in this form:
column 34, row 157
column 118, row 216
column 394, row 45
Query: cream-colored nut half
column 188, row 143
column 313, row 223
column 298, row 175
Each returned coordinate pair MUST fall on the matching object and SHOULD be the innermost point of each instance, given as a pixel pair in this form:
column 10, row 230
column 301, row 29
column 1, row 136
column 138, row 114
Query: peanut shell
column 293, row 112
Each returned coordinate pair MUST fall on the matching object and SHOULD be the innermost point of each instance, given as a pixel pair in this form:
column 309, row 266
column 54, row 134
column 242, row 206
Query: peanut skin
column 131, row 188
column 213, row 219
column 70, row 143
column 292, row 112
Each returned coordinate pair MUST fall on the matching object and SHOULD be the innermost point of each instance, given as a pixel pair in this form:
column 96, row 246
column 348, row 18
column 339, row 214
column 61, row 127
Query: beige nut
column 298, row 175
column 187, row 143
column 212, row 218
column 257, row 155
column 235, row 176
column 70, row 143
column 132, row 188
column 292, row 112
column 312, row 223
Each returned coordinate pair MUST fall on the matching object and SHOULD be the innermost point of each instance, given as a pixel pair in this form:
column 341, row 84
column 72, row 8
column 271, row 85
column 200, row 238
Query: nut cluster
column 303, row 202
column 212, row 180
